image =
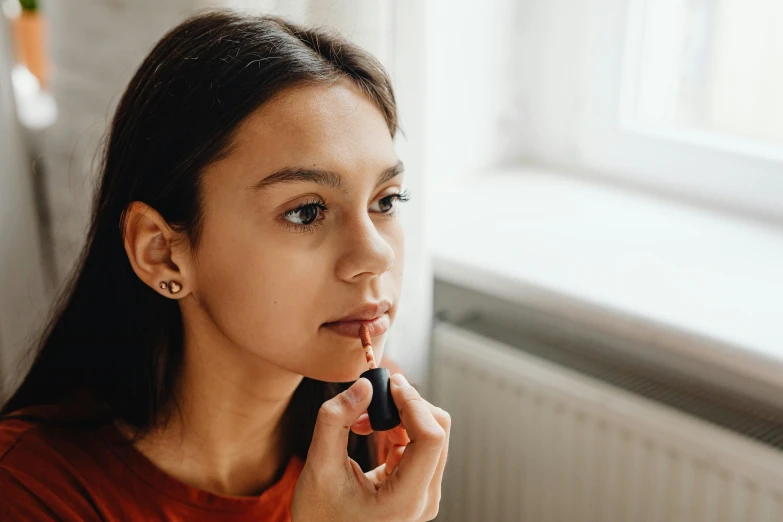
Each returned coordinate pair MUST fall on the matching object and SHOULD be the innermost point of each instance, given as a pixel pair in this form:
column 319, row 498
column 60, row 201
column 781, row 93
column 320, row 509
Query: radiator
column 534, row 441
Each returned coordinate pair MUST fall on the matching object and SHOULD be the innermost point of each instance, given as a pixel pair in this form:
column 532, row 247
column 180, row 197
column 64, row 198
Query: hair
column 110, row 334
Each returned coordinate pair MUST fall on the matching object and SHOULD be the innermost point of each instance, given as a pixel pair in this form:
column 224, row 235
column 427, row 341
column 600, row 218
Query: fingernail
column 399, row 379
column 356, row 392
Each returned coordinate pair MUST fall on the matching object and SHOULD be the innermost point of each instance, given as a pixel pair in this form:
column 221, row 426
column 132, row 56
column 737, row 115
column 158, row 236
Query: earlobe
column 148, row 241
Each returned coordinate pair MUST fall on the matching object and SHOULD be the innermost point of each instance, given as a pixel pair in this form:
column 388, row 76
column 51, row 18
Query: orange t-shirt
column 53, row 472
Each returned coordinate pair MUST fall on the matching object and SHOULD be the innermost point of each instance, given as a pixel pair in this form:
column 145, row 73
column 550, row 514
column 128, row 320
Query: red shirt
column 55, row 472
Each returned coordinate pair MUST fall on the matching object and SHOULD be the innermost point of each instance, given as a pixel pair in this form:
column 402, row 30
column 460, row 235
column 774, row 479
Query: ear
column 159, row 255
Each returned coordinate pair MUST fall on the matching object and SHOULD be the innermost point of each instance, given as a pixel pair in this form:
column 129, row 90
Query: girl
column 244, row 229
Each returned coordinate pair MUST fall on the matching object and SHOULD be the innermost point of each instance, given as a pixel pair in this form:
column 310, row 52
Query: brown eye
column 386, row 205
column 308, row 214
column 305, row 214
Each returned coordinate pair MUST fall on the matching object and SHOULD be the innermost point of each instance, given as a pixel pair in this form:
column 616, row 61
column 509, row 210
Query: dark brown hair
column 113, row 336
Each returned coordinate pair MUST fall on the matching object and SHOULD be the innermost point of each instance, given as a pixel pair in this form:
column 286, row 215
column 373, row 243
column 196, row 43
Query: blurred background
column 595, row 244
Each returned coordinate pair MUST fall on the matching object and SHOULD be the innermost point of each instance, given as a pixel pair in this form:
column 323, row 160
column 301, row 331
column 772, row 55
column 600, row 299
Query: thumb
column 329, row 446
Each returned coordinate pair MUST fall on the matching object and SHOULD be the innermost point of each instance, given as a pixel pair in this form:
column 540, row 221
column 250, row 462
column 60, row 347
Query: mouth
column 375, row 316
column 377, row 326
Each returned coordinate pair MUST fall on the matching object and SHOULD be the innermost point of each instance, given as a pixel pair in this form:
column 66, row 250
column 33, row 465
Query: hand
column 406, row 488
column 399, row 441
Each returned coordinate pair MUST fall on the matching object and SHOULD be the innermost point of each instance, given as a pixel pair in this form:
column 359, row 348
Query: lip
column 374, row 315
column 378, row 326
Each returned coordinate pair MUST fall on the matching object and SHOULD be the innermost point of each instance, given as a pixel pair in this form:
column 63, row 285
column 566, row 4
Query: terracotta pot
column 29, row 33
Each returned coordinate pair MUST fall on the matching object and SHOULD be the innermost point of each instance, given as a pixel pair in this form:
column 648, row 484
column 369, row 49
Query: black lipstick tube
column 382, row 411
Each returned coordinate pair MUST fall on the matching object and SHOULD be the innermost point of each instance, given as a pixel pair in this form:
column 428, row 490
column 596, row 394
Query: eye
column 305, row 214
column 388, row 204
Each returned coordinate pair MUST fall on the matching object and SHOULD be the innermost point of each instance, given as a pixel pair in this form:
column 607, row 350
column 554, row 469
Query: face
column 300, row 241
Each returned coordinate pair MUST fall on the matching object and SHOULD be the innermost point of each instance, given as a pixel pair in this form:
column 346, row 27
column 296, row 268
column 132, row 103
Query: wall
column 22, row 288
column 471, row 62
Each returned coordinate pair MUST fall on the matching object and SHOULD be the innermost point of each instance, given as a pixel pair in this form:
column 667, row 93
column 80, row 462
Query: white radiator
column 536, row 442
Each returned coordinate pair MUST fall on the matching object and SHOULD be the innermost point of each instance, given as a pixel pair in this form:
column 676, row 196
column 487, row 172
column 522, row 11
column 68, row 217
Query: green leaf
column 29, row 5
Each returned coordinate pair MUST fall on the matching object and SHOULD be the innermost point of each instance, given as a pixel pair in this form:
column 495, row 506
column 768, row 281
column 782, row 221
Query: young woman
column 244, row 229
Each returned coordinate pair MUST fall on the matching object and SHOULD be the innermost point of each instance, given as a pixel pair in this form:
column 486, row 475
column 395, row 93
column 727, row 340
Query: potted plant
column 29, row 35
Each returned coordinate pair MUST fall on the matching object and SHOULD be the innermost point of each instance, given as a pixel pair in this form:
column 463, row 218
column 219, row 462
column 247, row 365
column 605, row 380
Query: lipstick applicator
column 382, row 410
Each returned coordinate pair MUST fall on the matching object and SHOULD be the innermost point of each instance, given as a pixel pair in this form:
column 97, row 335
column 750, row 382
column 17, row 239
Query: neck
column 225, row 433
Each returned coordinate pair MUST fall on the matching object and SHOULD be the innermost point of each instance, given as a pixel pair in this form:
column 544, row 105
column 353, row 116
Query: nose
column 366, row 253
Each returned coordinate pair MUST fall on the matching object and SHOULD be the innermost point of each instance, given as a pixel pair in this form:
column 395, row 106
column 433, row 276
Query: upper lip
column 366, row 312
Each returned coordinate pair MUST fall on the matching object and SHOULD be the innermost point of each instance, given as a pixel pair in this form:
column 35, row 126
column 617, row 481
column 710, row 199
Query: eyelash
column 400, row 197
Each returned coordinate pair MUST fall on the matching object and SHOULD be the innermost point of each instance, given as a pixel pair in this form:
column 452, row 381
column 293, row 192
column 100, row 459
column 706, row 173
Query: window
column 708, row 65
column 684, row 97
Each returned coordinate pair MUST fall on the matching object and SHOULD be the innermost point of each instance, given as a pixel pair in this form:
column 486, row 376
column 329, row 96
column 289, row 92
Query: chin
column 340, row 360
column 348, row 375
column 348, row 372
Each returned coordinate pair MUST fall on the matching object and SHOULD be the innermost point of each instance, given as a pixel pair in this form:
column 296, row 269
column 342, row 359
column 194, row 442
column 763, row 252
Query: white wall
column 22, row 285
column 471, row 60
column 410, row 340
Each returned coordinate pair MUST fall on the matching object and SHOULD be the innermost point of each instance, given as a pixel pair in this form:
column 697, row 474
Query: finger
column 329, row 446
column 378, row 475
column 393, row 458
column 398, row 436
column 420, row 459
column 362, row 425
column 432, row 500
column 444, row 419
column 399, row 439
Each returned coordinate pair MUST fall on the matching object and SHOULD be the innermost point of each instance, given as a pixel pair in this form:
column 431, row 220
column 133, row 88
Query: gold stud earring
column 174, row 287
column 163, row 285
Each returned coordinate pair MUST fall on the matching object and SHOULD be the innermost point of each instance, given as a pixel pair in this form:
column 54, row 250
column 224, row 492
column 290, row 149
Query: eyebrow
column 327, row 178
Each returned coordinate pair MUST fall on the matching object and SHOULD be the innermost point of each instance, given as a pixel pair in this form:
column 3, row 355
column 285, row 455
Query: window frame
column 723, row 171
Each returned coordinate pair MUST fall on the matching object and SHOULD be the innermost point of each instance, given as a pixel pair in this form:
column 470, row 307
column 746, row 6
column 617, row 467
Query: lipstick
column 364, row 335
column 382, row 410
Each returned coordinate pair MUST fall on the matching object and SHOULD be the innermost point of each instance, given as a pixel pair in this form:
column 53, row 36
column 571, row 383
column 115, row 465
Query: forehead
column 331, row 126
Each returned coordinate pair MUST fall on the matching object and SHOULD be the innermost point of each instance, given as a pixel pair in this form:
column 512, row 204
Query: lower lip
column 378, row 326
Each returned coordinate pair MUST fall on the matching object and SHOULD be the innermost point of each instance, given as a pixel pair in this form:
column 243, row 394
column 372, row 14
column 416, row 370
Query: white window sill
column 706, row 285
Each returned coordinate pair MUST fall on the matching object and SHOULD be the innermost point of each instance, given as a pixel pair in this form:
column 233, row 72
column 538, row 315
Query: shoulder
column 40, row 469
column 23, row 431
column 11, row 432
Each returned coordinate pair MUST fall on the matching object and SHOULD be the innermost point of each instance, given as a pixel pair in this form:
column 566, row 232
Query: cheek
column 268, row 295
column 256, row 295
